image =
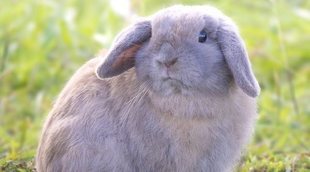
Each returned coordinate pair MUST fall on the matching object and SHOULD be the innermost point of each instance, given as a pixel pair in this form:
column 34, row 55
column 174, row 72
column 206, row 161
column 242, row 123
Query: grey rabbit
column 175, row 93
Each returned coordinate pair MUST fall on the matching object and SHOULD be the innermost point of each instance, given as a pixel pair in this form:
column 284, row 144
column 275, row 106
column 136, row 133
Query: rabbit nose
column 168, row 63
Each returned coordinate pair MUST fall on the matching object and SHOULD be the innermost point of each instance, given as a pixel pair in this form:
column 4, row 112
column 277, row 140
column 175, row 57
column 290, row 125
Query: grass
column 43, row 42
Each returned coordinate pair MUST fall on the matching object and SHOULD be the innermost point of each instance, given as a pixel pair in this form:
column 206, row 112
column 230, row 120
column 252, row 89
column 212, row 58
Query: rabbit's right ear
column 121, row 56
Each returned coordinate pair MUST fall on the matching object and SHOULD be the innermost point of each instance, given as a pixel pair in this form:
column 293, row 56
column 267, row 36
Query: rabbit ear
column 121, row 56
column 237, row 59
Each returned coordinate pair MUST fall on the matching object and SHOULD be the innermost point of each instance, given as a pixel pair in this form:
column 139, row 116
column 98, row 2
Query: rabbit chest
column 162, row 135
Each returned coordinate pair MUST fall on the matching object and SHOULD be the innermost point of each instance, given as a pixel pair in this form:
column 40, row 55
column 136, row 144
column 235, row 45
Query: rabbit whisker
column 142, row 91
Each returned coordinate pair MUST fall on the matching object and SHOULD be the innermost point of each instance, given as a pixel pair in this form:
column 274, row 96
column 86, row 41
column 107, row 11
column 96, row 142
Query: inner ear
column 126, row 59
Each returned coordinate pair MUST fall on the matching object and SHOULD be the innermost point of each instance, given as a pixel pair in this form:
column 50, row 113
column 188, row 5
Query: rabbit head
column 186, row 50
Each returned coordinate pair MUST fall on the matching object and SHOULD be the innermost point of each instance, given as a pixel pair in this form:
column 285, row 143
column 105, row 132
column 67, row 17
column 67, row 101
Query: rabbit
column 174, row 93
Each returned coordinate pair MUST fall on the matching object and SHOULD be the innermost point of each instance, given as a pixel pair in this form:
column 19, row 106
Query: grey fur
column 237, row 58
column 177, row 108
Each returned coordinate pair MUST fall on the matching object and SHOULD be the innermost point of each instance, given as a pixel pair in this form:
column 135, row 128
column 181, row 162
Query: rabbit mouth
column 167, row 79
column 171, row 86
column 172, row 81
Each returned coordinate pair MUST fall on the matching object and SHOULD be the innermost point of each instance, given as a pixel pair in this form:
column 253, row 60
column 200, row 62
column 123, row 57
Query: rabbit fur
column 158, row 101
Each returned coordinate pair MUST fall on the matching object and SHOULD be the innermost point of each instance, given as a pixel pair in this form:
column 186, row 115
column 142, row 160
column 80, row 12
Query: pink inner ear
column 126, row 57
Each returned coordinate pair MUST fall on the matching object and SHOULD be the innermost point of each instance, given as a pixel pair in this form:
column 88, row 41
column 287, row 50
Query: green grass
column 43, row 42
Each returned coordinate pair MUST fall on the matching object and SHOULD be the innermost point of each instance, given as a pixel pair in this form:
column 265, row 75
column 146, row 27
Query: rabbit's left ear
column 236, row 57
column 121, row 56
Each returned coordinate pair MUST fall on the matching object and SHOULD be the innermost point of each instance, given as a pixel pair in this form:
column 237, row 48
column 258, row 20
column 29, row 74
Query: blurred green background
column 42, row 43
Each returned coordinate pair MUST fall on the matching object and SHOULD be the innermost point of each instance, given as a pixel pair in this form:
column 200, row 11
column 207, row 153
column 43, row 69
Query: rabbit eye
column 203, row 36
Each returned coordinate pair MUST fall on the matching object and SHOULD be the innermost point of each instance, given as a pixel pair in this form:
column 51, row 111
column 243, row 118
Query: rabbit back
column 81, row 133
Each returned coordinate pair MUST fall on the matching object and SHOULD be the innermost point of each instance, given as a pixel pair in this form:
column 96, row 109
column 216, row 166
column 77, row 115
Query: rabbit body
column 133, row 121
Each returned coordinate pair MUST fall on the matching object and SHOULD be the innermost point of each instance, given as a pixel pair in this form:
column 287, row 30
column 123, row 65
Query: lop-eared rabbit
column 175, row 93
